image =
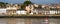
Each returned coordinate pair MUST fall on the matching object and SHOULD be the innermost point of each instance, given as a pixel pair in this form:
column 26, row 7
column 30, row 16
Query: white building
column 54, row 12
column 2, row 10
column 36, row 5
column 21, row 12
column 43, row 6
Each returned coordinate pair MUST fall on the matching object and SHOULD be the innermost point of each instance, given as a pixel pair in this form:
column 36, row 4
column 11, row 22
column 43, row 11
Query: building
column 21, row 12
column 3, row 12
column 36, row 5
column 41, row 11
column 29, row 8
column 12, row 8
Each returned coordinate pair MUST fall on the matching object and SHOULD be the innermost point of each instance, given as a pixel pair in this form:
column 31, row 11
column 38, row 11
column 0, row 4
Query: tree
column 2, row 4
column 27, row 2
column 23, row 7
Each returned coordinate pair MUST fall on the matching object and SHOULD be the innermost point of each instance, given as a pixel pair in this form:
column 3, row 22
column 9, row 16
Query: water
column 31, row 21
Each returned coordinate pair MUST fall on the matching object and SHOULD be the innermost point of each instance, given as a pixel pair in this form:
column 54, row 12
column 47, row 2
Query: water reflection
column 28, row 21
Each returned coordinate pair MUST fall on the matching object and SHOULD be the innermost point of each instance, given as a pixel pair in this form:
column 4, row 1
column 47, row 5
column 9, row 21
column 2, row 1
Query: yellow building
column 12, row 8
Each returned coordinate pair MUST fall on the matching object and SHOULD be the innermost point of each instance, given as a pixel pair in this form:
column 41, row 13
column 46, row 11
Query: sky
column 34, row 1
